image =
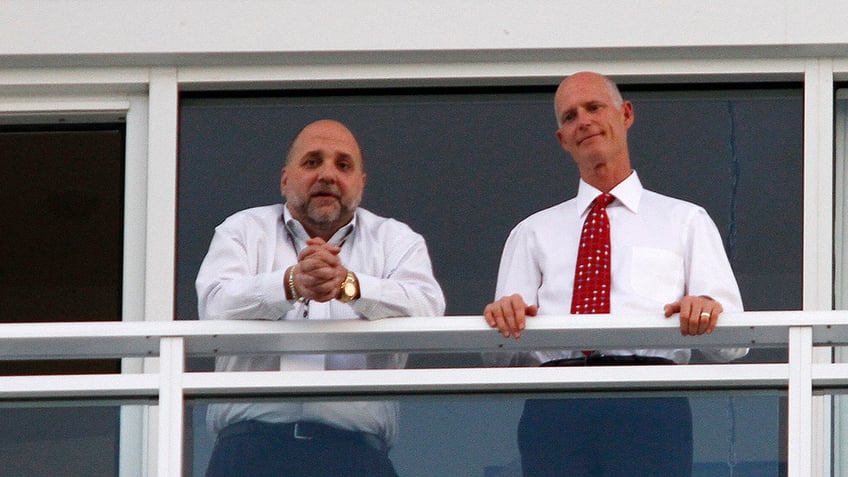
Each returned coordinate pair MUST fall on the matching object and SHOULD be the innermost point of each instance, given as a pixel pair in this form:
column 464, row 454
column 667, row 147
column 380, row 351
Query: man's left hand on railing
column 698, row 314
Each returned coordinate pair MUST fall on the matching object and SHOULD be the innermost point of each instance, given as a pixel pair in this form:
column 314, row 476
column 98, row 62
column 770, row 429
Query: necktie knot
column 602, row 201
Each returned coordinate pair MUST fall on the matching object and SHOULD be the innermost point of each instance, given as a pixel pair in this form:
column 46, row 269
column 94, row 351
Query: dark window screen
column 61, row 259
column 462, row 167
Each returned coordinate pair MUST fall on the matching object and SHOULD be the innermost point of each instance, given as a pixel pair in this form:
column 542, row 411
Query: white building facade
column 134, row 63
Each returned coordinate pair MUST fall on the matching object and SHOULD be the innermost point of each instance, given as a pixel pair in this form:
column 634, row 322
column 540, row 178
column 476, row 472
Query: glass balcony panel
column 737, row 433
column 41, row 439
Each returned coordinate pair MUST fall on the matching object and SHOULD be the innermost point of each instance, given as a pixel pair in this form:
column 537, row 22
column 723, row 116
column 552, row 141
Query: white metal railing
column 173, row 342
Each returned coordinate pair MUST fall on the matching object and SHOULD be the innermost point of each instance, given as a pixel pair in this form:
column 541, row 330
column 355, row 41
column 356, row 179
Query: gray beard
column 323, row 219
column 326, row 218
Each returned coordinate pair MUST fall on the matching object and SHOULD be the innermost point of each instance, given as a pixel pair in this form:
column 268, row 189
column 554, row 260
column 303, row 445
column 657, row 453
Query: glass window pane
column 54, row 439
column 738, row 153
column 61, row 259
column 61, row 250
column 734, row 434
column 840, row 403
column 463, row 167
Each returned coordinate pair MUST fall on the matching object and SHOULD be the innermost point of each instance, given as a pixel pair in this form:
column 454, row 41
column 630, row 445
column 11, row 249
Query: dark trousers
column 622, row 437
column 256, row 449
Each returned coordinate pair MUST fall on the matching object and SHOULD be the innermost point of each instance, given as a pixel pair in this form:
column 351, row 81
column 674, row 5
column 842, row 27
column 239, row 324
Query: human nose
column 327, row 173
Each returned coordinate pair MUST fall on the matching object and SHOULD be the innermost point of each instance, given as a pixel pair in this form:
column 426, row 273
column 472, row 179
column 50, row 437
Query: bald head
column 584, row 77
column 323, row 129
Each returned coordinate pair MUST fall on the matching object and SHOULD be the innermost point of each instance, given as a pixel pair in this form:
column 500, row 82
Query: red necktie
column 592, row 274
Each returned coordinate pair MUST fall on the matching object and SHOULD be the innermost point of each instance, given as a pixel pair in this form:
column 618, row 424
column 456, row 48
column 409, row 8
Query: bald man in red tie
column 614, row 248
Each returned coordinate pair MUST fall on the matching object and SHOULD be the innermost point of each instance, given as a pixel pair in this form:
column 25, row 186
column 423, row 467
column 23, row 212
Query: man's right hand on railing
column 509, row 315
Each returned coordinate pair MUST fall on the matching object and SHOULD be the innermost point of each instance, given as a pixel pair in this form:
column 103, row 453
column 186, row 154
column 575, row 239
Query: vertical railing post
column 171, row 405
column 160, row 227
column 800, row 398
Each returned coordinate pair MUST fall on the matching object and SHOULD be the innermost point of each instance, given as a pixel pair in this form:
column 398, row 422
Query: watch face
column 349, row 290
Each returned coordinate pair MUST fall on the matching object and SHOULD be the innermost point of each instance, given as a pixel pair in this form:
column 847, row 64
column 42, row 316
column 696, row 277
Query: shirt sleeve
column 709, row 273
column 518, row 273
column 230, row 284
column 407, row 286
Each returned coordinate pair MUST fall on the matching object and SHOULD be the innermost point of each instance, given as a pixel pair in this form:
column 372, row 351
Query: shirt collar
column 628, row 192
column 295, row 228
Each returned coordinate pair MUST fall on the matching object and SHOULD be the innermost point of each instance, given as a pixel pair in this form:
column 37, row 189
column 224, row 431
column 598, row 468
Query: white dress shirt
column 662, row 249
column 242, row 278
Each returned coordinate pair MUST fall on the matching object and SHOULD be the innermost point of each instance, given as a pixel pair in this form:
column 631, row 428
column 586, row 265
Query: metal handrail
column 76, row 340
column 169, row 384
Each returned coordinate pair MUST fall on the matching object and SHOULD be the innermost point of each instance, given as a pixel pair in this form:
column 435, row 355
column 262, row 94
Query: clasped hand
column 319, row 273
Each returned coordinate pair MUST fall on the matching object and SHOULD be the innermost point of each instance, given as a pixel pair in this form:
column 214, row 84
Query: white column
column 160, row 230
column 818, row 231
column 131, row 459
column 818, row 184
column 800, row 422
column 170, row 445
column 161, row 195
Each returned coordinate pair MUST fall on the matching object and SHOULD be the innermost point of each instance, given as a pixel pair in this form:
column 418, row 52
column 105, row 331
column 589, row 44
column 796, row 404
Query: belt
column 302, row 431
column 602, row 360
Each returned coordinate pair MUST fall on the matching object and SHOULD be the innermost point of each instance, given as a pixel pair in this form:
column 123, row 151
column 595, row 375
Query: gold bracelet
column 292, row 290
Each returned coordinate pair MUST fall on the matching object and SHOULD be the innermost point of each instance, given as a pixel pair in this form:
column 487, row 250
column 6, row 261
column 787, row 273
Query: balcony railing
column 173, row 342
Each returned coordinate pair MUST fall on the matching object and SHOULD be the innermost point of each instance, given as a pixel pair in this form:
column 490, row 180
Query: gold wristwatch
column 349, row 289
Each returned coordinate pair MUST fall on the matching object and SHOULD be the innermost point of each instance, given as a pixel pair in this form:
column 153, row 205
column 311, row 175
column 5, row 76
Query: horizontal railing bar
column 421, row 381
column 386, row 382
column 428, row 334
column 468, row 380
column 830, row 375
column 86, row 386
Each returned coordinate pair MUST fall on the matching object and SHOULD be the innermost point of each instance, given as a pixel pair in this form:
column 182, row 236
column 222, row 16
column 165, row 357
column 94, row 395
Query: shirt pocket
column 657, row 274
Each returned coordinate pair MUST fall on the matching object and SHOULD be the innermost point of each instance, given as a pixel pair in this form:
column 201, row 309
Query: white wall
column 120, row 32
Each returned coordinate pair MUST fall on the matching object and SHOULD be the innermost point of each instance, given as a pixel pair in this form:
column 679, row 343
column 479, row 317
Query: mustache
column 325, row 189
